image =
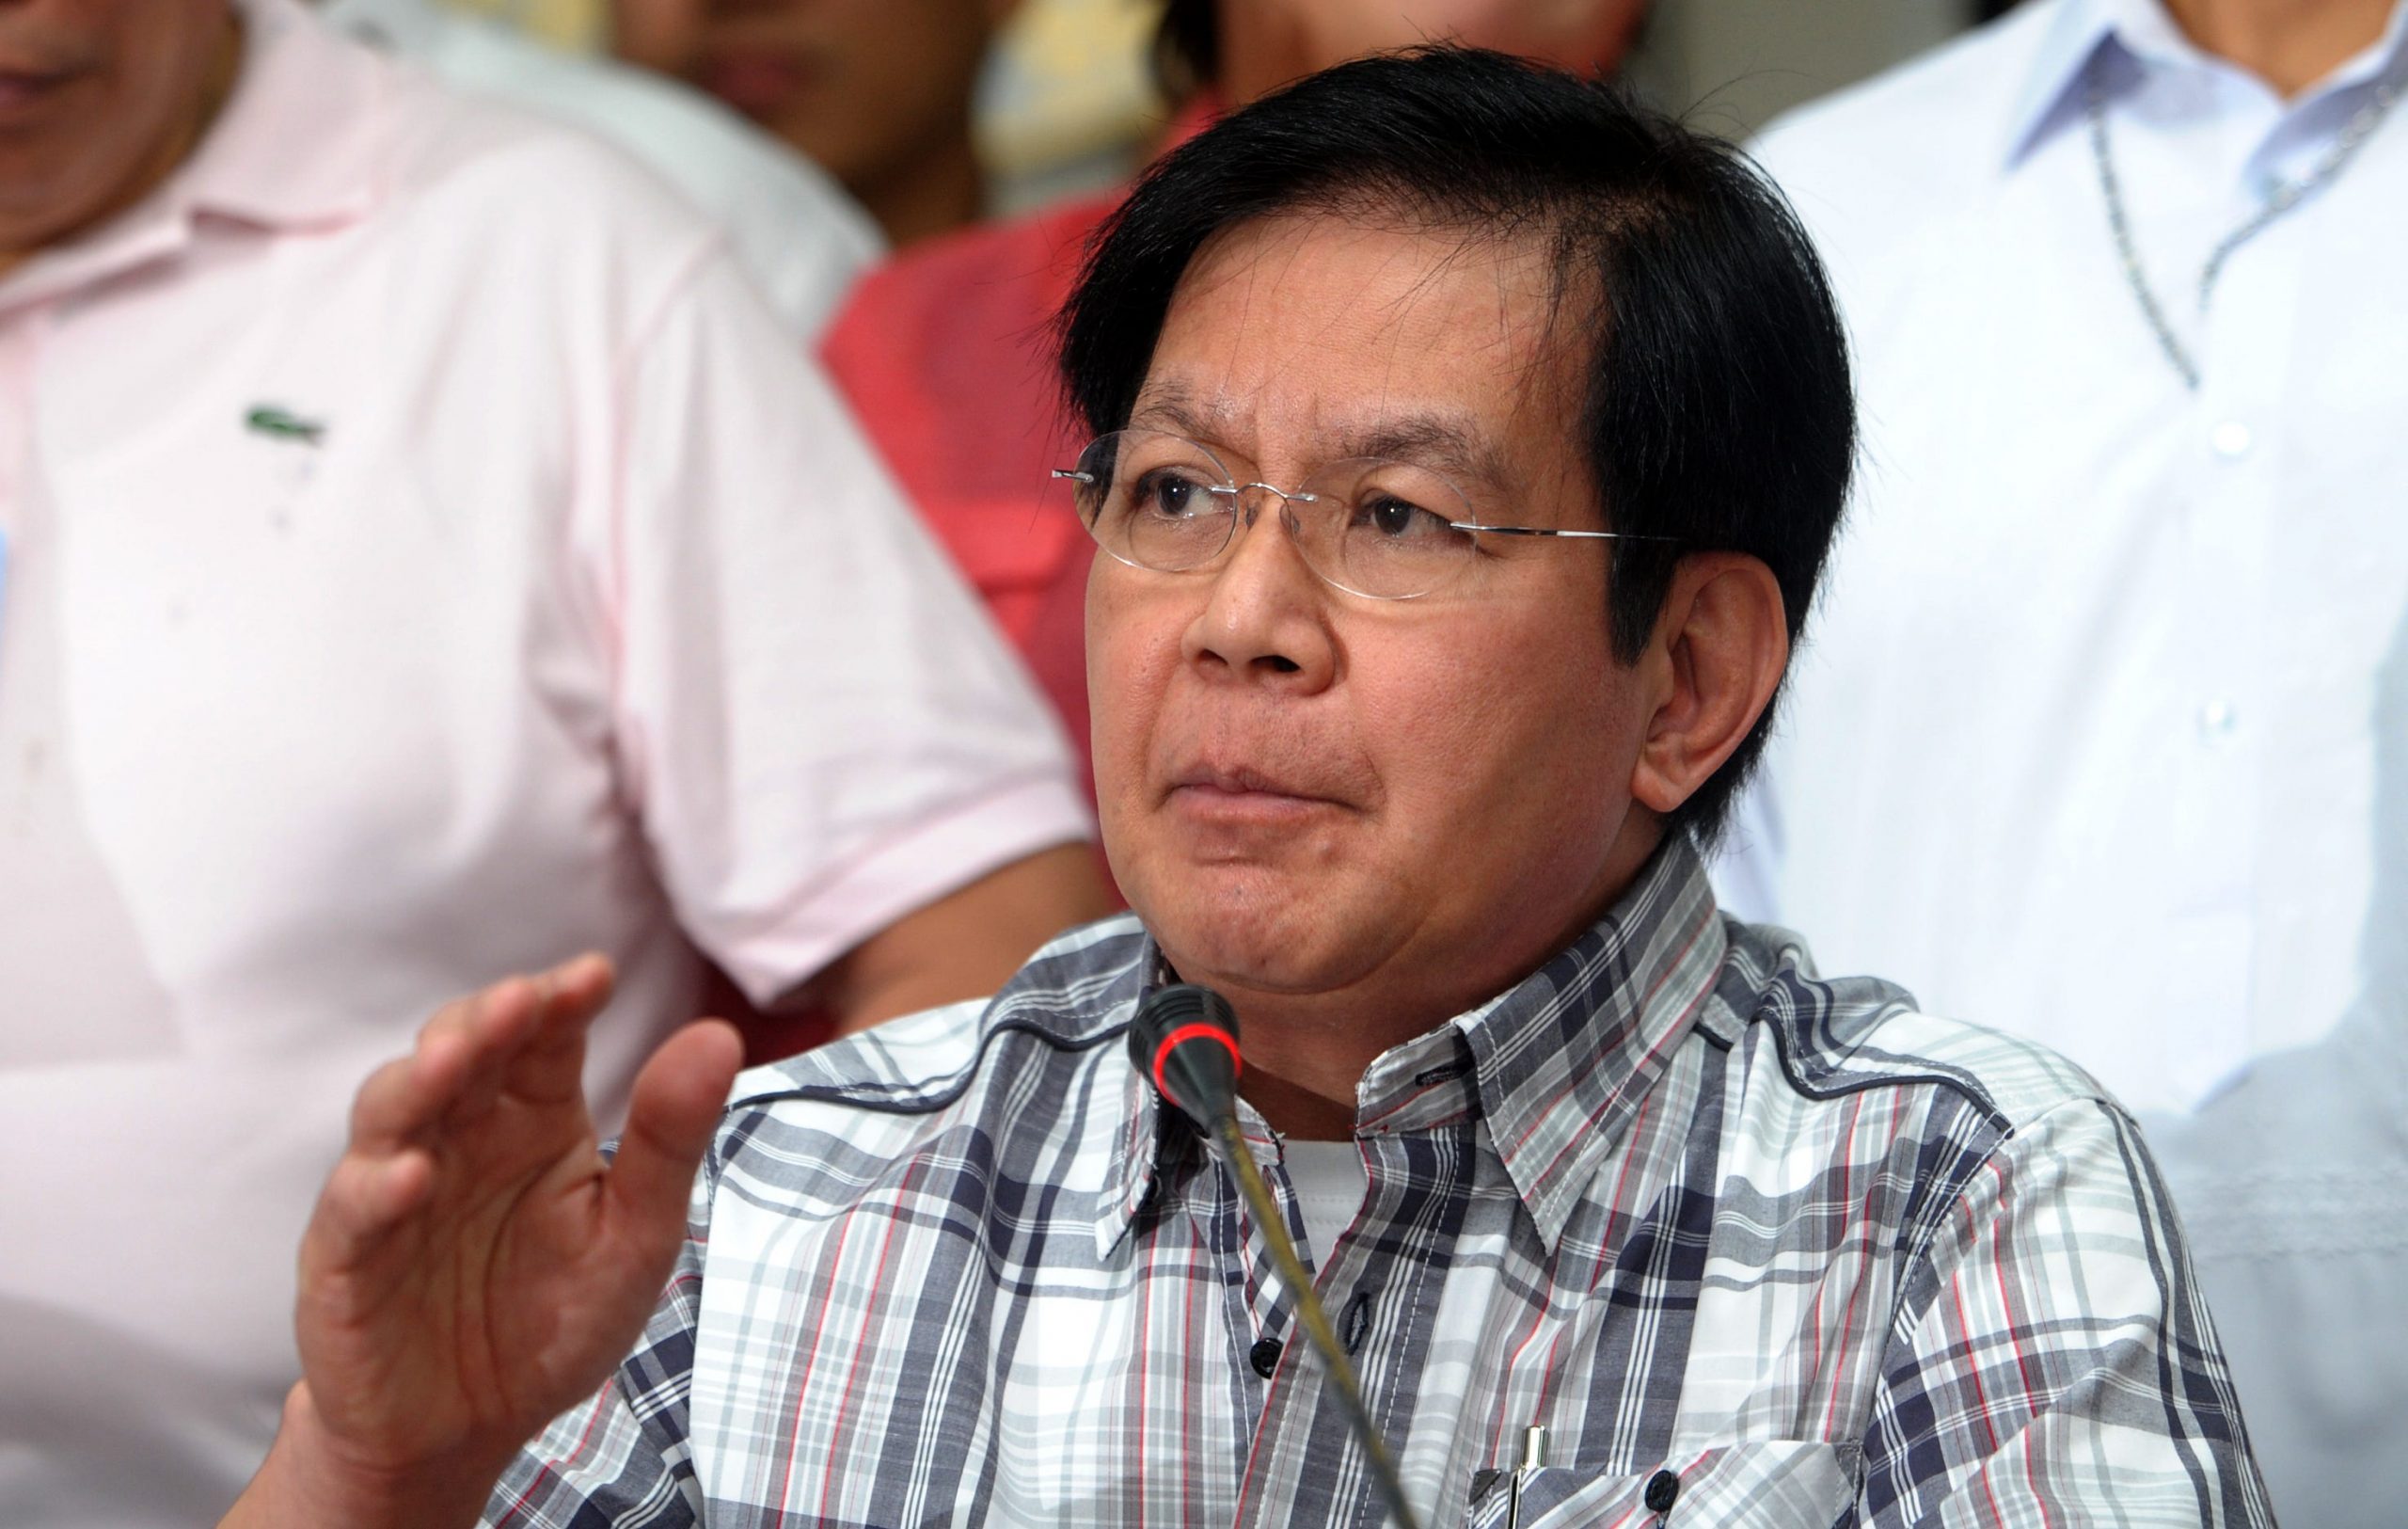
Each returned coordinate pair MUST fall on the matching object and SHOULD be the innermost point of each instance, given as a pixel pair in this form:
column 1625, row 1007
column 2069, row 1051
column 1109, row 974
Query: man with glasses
column 1470, row 443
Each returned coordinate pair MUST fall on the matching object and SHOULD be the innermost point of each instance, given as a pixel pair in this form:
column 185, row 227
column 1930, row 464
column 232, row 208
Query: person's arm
column 848, row 784
column 965, row 943
column 2051, row 1352
column 474, row 1266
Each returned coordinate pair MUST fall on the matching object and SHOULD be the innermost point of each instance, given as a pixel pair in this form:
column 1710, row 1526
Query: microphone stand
column 1184, row 1038
column 1335, row 1368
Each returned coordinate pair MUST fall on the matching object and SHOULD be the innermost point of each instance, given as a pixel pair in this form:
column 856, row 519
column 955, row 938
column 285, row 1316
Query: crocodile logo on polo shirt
column 283, row 425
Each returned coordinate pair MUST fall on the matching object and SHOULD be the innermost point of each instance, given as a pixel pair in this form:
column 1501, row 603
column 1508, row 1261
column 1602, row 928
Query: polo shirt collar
column 2129, row 38
column 302, row 140
column 1559, row 1065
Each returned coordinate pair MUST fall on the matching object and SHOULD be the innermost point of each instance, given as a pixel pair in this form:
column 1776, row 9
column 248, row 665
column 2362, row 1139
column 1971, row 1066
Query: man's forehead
column 1372, row 330
column 1454, row 441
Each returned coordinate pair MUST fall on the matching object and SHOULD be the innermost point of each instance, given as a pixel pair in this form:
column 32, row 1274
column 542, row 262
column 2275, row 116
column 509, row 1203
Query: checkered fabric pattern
column 1778, row 1249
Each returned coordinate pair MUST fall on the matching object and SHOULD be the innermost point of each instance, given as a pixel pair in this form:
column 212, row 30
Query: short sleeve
column 2051, row 1352
column 817, row 727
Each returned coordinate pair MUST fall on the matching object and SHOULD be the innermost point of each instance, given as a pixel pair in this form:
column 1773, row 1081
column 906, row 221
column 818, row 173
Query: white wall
column 1741, row 62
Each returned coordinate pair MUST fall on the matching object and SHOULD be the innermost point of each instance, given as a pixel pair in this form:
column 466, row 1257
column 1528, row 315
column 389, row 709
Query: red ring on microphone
column 1180, row 1037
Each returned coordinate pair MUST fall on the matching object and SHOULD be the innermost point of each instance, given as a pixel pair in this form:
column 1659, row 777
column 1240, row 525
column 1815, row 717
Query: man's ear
column 1719, row 647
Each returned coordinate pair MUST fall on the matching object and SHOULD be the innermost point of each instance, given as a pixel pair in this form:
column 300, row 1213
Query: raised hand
column 474, row 1267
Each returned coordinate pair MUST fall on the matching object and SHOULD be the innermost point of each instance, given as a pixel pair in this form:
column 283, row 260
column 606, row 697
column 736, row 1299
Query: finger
column 454, row 1048
column 365, row 1199
column 386, row 1110
column 550, row 1068
column 671, row 1114
column 581, row 984
column 521, row 1032
column 401, row 1097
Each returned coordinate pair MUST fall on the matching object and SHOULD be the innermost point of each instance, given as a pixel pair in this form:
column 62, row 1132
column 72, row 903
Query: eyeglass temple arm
column 1549, row 531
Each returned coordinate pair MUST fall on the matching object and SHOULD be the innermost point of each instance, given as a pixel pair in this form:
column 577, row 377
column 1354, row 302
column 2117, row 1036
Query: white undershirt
column 1329, row 1181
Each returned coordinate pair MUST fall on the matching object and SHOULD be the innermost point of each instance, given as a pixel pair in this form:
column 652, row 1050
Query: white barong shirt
column 2101, row 733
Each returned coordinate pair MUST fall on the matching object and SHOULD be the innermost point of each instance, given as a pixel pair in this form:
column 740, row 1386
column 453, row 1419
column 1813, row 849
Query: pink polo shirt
column 426, row 557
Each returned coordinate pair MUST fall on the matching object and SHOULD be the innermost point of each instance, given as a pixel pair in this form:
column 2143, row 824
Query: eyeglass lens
column 1369, row 525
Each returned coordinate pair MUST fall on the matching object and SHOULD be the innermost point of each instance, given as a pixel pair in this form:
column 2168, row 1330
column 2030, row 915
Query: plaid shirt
column 1821, row 1258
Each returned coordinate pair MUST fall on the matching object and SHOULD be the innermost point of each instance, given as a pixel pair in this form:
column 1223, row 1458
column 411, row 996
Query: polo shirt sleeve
column 2050, row 1353
column 816, row 724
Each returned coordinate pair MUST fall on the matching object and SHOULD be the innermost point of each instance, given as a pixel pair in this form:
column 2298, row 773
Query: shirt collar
column 2077, row 34
column 300, row 141
column 297, row 144
column 1558, row 1064
column 1146, row 1123
column 2137, row 35
column 1563, row 1061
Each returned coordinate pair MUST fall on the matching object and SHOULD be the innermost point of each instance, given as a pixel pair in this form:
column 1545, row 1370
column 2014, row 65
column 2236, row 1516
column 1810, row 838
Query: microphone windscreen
column 1184, row 1039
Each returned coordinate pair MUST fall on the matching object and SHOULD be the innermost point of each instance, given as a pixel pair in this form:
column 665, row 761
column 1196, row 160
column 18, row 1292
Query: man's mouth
column 1239, row 796
column 754, row 80
column 24, row 89
column 1235, row 780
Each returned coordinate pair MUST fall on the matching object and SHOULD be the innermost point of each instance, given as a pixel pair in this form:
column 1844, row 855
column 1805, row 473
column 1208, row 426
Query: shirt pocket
column 1787, row 1483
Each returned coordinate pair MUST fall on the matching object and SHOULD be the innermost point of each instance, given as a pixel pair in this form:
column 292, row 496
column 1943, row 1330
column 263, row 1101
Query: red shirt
column 947, row 354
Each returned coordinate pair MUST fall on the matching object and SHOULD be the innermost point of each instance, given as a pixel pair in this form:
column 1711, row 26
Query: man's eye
column 1395, row 519
column 1170, row 495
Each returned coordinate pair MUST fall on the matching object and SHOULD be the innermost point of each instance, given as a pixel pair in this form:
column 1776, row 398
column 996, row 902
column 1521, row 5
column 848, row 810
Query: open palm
column 474, row 1266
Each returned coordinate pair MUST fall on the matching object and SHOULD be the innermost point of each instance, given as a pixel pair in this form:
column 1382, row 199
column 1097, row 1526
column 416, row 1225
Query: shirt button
column 1663, row 1491
column 1264, row 1357
column 2231, row 440
column 2217, row 719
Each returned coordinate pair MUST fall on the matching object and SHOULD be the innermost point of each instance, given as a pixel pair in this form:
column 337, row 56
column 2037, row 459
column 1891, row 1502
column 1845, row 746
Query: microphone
column 1184, row 1039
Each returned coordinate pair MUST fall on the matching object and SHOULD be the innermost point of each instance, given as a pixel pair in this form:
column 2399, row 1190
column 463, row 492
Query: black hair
column 1717, row 410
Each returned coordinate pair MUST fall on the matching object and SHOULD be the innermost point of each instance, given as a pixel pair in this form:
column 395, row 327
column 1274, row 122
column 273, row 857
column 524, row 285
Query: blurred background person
column 943, row 350
column 1247, row 48
column 1068, row 105
column 878, row 92
column 2124, row 279
column 798, row 235
column 423, row 551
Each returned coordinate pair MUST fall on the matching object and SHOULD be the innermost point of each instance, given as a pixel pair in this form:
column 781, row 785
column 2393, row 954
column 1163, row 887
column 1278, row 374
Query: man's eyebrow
column 1171, row 407
column 1438, row 441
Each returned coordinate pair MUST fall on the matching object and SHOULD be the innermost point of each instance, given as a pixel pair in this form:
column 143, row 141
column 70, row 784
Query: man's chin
column 1251, row 933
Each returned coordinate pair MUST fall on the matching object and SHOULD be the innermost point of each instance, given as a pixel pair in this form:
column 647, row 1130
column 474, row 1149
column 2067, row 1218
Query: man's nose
column 1267, row 614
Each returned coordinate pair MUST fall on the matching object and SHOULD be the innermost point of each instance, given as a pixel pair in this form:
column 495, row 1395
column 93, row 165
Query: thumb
column 671, row 1114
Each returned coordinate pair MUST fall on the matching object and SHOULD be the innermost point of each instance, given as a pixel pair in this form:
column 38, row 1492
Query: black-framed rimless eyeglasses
column 1382, row 529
